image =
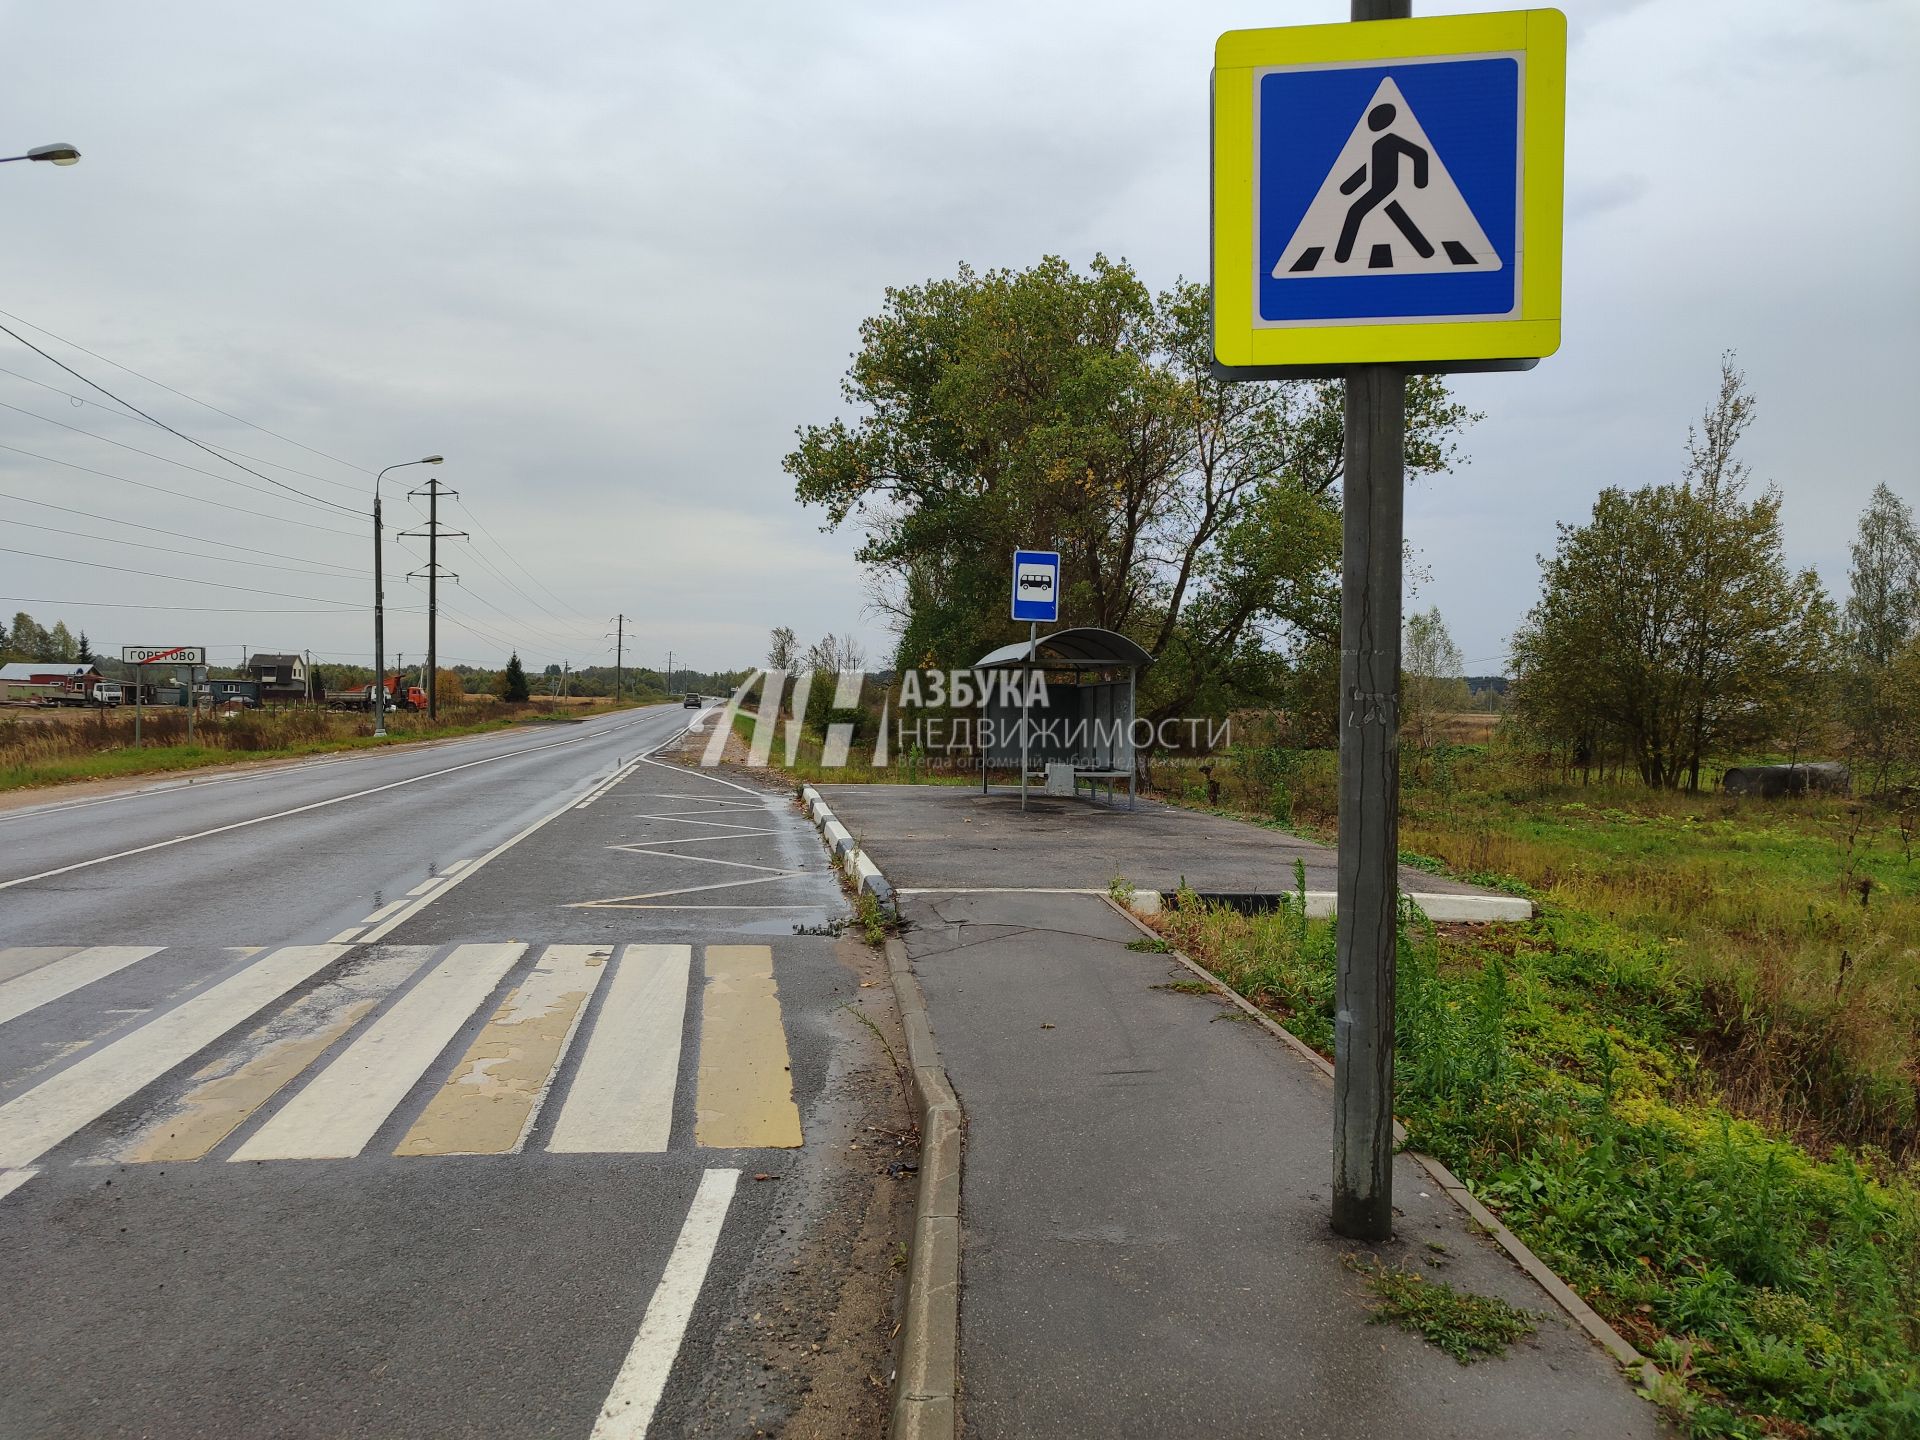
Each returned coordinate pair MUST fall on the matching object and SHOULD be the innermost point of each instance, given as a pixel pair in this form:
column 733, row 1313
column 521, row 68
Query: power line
column 181, row 393
column 181, row 494
column 224, row 449
column 523, row 569
column 177, row 534
column 281, row 484
column 184, row 609
column 530, row 635
column 175, row 551
column 347, row 607
column 312, row 504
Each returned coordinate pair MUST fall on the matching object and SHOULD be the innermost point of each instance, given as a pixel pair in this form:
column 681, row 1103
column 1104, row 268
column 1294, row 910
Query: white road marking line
column 621, row 1100
column 281, row 814
column 20, row 959
column 387, row 927
column 264, row 772
column 702, row 859
column 340, row 1109
column 169, row 786
column 247, row 1070
column 50, row 982
column 12, row 1180
column 346, row 937
column 616, row 902
column 636, row 1392
column 385, row 910
column 702, row 775
column 33, row 1123
column 642, row 847
column 447, row 872
column 679, row 817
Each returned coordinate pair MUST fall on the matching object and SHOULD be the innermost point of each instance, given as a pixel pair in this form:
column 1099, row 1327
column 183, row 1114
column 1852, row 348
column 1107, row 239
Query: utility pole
column 433, row 490
column 1368, row 895
column 619, row 643
column 669, row 674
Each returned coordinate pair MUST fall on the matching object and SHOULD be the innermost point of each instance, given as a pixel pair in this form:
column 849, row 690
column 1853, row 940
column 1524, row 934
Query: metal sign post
column 1036, row 597
column 1386, row 201
column 141, row 656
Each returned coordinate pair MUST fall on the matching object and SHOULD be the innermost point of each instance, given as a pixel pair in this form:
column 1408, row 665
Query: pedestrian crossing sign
column 1388, row 192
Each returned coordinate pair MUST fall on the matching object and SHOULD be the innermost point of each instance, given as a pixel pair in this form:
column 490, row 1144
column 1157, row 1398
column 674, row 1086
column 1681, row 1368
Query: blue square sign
column 1388, row 191
column 1036, row 585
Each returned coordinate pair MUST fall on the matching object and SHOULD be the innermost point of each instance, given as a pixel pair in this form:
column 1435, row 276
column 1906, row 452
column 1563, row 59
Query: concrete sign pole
column 1368, row 897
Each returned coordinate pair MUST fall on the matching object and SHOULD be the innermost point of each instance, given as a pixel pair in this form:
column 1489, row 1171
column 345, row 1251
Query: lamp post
column 61, row 154
column 380, row 603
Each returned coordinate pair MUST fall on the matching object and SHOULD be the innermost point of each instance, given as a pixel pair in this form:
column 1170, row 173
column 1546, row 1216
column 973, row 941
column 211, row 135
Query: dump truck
column 400, row 696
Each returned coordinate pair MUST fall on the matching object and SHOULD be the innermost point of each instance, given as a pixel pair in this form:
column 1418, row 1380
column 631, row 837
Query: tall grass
column 1783, row 936
column 50, row 750
column 1780, row 1291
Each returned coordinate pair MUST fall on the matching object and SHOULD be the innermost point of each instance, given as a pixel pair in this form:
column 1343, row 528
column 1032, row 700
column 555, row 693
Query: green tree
column 1669, row 627
column 60, row 644
column 25, row 639
column 1077, row 411
column 783, row 648
column 1881, row 624
column 1432, row 679
column 83, row 650
column 511, row 684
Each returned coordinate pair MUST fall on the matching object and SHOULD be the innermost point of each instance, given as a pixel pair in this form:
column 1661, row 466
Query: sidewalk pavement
column 1144, row 1213
column 952, row 837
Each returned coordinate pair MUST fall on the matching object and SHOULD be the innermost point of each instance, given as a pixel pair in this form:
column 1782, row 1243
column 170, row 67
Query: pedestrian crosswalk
column 329, row 1052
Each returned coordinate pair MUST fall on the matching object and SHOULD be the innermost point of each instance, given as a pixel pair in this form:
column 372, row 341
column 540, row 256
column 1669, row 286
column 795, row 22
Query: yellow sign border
column 1535, row 331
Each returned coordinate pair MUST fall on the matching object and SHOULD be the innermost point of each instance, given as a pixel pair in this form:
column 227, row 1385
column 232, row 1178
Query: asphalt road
column 494, row 1088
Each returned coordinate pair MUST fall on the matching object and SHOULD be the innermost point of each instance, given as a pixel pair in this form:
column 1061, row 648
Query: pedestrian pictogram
column 1388, row 205
column 1388, row 193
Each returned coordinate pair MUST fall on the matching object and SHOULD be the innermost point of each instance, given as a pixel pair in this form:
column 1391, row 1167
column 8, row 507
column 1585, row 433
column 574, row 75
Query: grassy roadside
column 32, row 757
column 1690, row 1084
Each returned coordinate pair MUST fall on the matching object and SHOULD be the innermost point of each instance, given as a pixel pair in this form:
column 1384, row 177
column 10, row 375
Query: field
column 1692, row 1083
column 52, row 747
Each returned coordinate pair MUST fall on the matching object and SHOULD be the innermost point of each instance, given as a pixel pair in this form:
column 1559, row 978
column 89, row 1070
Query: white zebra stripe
column 33, row 1123
column 340, row 1109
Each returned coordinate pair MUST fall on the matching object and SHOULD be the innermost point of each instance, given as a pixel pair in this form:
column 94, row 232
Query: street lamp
column 61, row 154
column 379, row 604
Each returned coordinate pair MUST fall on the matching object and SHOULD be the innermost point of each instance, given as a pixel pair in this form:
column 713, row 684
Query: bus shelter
column 1065, row 710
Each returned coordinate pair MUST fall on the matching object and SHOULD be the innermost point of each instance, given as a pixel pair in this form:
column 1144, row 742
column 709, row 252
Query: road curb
column 866, row 875
column 1577, row 1310
column 926, row 1377
column 926, row 1400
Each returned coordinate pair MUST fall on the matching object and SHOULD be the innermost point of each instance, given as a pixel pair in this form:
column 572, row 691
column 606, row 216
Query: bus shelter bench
column 1094, row 778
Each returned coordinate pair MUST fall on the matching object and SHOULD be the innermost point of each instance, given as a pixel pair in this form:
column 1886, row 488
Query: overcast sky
column 606, row 256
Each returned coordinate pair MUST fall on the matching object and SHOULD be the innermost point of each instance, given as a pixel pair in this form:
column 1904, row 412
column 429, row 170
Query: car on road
column 692, row 702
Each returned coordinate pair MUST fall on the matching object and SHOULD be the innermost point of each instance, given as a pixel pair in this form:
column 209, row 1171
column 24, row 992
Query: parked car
column 692, row 702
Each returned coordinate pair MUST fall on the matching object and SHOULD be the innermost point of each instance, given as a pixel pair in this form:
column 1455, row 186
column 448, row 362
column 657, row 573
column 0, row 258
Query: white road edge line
column 283, row 814
column 414, row 907
column 12, row 1180
column 637, row 1389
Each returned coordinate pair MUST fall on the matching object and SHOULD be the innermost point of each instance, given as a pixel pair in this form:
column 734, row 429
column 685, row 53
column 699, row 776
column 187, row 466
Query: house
column 46, row 679
column 281, row 678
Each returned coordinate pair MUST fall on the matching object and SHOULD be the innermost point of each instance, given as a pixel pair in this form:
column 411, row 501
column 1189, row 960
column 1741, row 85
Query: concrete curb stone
column 866, row 875
column 926, row 1384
